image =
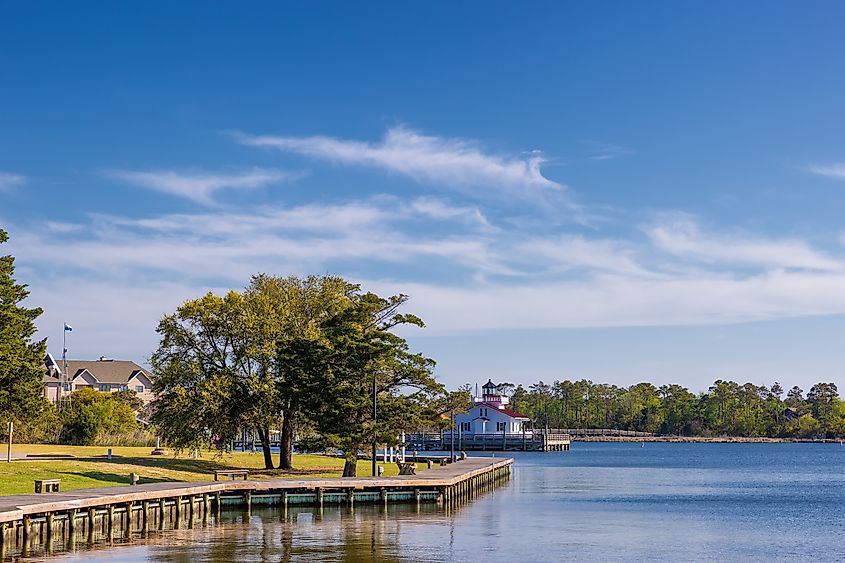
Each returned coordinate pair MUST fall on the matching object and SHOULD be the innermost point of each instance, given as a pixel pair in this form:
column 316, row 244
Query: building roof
column 510, row 413
column 104, row 370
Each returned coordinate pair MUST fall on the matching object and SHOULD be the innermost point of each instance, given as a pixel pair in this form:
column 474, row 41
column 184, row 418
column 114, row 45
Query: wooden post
column 217, row 505
column 161, row 506
column 178, row 512
column 248, row 500
column 192, row 500
column 71, row 524
column 111, row 522
column 319, row 492
column 350, row 497
column 205, row 509
column 145, row 519
column 92, row 517
column 49, row 518
column 127, row 532
column 25, row 531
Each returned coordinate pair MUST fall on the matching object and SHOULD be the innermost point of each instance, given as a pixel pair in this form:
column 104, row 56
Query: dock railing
column 530, row 440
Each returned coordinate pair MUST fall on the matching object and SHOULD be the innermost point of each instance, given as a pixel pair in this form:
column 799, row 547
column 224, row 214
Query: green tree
column 822, row 399
column 358, row 352
column 21, row 359
column 281, row 310
column 209, row 383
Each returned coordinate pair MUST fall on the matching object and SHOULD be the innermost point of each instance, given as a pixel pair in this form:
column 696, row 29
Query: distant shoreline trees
column 727, row 408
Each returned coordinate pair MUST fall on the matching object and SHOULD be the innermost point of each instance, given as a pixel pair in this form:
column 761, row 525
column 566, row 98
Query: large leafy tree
column 281, row 310
column 357, row 355
column 216, row 362
column 21, row 358
column 207, row 384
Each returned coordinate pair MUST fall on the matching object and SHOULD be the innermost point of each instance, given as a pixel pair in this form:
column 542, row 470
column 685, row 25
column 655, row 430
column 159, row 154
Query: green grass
column 94, row 470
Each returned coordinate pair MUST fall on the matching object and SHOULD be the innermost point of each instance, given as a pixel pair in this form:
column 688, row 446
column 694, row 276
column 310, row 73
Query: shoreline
column 705, row 439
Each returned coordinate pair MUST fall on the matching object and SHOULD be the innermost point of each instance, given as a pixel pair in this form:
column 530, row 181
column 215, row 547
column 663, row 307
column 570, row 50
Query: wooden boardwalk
column 137, row 509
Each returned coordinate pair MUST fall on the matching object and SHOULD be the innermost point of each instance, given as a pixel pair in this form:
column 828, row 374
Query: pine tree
column 21, row 359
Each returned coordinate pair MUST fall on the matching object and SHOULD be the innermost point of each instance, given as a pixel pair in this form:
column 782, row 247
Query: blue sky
column 614, row 190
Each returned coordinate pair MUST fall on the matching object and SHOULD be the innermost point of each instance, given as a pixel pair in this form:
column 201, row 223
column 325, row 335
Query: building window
column 139, row 388
column 465, row 426
column 105, row 388
column 66, row 386
column 500, row 427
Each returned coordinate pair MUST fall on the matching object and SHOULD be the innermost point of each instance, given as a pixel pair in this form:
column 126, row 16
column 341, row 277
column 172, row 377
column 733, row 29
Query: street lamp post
column 375, row 418
column 452, row 434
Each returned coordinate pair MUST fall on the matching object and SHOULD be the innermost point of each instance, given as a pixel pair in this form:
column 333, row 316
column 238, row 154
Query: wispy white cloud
column 462, row 274
column 9, row 180
column 834, row 171
column 433, row 208
column 599, row 150
column 455, row 163
column 616, row 301
column 570, row 252
column 683, row 237
column 200, row 186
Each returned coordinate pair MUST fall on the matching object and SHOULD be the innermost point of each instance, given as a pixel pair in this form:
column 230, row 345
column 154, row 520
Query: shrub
column 93, row 415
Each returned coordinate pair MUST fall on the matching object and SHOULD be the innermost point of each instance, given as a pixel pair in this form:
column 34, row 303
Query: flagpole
column 64, row 363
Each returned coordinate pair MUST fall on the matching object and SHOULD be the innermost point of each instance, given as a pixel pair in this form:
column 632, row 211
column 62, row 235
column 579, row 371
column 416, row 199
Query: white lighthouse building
column 490, row 414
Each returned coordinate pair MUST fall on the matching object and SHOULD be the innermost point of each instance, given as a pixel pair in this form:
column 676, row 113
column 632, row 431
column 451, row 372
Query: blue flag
column 68, row 328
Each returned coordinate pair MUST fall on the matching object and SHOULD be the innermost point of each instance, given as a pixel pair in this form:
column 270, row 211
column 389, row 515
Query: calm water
column 596, row 502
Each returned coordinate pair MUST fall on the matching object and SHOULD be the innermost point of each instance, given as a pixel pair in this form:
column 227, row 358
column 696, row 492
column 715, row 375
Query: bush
column 94, row 418
column 44, row 428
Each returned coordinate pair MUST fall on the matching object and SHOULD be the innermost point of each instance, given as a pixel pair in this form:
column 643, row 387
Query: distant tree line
column 727, row 408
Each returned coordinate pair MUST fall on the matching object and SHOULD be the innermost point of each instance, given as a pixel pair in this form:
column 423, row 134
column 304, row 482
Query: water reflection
column 599, row 502
column 365, row 532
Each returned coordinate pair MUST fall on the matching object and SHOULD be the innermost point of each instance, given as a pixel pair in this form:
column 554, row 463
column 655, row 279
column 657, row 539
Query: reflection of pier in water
column 33, row 524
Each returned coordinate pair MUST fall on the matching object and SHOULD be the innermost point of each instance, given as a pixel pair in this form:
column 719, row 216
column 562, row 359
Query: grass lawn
column 95, row 471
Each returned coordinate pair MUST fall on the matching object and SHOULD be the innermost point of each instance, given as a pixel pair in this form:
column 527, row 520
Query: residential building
column 105, row 375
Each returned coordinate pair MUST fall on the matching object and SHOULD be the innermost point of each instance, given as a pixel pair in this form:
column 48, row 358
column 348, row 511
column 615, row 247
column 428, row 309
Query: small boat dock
column 529, row 441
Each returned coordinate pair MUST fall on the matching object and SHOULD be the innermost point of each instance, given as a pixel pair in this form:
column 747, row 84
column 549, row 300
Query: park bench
column 47, row 485
column 231, row 473
column 407, row 468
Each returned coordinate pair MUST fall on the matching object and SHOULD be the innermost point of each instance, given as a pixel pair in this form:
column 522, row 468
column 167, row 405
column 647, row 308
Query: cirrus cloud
column 200, row 187
column 9, row 180
column 455, row 163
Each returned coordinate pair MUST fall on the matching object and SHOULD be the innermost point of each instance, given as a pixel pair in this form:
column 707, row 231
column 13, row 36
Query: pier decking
column 534, row 441
column 108, row 512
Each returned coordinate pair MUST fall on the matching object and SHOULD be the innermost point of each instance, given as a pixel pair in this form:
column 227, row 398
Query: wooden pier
column 57, row 521
column 531, row 441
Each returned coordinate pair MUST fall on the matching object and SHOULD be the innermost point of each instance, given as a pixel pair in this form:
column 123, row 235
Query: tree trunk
column 286, row 446
column 350, row 468
column 264, row 437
